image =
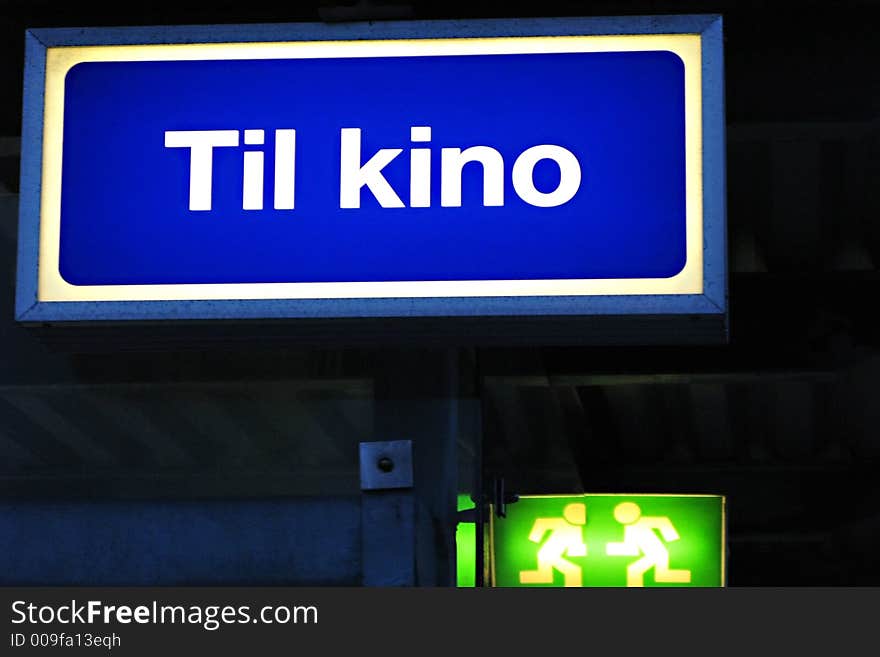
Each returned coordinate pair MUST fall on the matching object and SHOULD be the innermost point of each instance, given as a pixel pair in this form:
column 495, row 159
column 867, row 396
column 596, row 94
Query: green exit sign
column 610, row 540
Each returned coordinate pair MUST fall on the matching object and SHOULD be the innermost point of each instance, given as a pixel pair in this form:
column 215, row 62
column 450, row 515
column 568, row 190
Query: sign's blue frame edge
column 713, row 301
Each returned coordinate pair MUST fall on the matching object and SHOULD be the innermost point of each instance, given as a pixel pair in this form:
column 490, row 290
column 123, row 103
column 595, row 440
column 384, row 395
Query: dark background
column 783, row 419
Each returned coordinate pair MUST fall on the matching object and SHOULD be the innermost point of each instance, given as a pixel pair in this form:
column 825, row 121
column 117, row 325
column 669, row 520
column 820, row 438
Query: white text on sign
column 356, row 174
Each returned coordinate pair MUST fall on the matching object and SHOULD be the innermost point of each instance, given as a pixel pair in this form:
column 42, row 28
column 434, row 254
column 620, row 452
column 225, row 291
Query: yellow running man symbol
column 566, row 539
column 639, row 539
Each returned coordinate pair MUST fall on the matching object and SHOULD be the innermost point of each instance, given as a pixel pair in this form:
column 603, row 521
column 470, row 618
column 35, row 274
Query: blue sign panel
column 506, row 168
column 615, row 141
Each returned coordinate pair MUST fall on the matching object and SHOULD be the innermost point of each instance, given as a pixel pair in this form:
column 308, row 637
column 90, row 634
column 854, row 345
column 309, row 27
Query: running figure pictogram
column 639, row 539
column 566, row 540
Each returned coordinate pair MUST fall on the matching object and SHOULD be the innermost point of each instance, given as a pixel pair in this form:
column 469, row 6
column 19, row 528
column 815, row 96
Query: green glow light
column 465, row 546
column 611, row 540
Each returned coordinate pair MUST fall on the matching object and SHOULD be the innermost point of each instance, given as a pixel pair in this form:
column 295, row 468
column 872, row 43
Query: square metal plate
column 386, row 464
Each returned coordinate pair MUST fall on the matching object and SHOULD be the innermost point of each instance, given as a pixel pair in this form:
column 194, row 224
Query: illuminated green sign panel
column 611, row 540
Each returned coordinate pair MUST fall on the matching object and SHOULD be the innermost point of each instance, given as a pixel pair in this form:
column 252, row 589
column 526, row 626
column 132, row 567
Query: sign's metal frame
column 710, row 304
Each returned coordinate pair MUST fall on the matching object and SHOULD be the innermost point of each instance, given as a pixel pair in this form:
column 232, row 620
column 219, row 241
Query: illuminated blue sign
column 172, row 180
column 506, row 168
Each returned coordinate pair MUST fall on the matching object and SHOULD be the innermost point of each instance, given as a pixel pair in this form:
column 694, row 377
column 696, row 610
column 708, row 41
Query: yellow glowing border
column 59, row 60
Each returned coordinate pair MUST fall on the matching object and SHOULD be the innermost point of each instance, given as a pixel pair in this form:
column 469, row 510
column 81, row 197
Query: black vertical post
column 416, row 398
column 478, row 494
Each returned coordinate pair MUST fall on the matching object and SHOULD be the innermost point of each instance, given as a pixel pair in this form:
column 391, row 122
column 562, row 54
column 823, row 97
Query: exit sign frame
column 688, row 551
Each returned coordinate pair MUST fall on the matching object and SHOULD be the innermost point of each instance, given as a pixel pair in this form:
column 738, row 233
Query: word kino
column 355, row 173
